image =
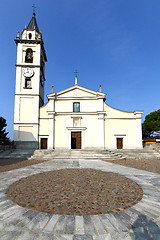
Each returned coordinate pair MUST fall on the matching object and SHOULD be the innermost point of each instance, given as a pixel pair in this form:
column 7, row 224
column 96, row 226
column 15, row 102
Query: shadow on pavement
column 145, row 229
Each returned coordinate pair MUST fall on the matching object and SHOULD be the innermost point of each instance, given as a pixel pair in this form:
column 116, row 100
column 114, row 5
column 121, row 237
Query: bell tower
column 29, row 90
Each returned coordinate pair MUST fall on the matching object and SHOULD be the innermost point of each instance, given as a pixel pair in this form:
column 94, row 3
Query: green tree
column 3, row 134
column 151, row 125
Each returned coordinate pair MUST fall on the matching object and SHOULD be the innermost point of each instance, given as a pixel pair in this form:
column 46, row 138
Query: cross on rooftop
column 75, row 73
column 75, row 77
column 34, row 7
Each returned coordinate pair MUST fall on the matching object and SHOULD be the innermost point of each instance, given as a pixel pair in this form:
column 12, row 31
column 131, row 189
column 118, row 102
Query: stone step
column 75, row 154
column 80, row 154
column 138, row 153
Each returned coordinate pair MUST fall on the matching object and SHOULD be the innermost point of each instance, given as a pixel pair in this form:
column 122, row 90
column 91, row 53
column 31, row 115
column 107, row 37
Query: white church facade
column 74, row 118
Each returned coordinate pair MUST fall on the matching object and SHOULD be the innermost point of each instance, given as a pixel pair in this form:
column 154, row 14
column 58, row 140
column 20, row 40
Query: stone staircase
column 81, row 154
column 138, row 153
column 76, row 154
column 95, row 154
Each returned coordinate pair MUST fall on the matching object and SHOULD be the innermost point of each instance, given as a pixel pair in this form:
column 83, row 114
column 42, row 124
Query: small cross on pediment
column 76, row 92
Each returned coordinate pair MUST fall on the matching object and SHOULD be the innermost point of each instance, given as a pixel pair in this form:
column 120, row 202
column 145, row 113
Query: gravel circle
column 75, row 192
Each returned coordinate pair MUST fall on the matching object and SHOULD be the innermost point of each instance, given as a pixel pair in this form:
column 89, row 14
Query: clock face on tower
column 28, row 72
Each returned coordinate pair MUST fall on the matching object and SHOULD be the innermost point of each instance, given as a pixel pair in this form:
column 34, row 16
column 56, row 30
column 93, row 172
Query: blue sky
column 115, row 43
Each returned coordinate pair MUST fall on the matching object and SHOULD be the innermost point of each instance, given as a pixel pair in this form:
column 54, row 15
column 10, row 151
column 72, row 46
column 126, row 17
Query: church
column 74, row 118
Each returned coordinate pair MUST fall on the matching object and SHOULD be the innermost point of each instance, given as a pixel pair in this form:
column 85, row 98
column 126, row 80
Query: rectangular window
column 76, row 122
column 76, row 107
column 28, row 83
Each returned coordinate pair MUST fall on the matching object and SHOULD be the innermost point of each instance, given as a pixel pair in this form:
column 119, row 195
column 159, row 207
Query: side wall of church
column 124, row 125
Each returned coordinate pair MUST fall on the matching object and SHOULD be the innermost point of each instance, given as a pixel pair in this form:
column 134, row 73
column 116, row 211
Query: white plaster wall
column 90, row 136
column 91, row 123
column 76, row 93
column 85, row 105
column 61, row 131
column 120, row 128
column 26, row 109
column 44, row 127
column 19, row 53
column 15, row 132
column 122, row 124
column 25, row 132
column 43, row 111
column 115, row 113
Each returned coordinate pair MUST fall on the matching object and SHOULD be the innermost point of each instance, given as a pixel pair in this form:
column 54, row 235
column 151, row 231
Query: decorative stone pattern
column 75, row 192
column 156, row 146
column 141, row 221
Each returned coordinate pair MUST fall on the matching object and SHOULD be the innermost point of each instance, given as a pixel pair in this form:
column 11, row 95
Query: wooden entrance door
column 75, row 140
column 44, row 143
column 119, row 143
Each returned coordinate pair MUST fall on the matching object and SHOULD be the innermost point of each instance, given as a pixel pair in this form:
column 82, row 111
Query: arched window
column 30, row 35
column 76, row 107
column 29, row 55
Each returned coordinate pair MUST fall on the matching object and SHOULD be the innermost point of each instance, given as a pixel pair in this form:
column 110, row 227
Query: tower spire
column 33, row 23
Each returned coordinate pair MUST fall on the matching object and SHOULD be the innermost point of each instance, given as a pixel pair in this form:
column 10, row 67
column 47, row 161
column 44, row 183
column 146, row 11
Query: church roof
column 33, row 24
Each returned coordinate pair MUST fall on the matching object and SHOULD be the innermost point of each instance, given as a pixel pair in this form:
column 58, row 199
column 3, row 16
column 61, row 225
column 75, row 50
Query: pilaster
column 101, row 130
column 51, row 113
column 139, row 128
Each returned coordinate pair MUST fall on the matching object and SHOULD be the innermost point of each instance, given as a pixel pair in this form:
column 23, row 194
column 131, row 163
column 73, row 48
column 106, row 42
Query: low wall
column 26, row 145
column 6, row 147
column 154, row 146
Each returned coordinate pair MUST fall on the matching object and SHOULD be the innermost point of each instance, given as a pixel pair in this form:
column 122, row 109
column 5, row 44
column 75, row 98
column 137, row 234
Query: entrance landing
column 76, row 154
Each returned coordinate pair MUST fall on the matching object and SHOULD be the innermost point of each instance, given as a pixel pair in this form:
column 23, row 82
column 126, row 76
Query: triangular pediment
column 76, row 92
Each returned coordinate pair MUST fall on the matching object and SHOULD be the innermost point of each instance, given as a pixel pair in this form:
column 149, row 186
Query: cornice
column 26, row 123
column 121, row 118
column 75, row 114
column 29, row 94
column 30, row 41
column 76, row 128
column 27, row 65
column 97, row 95
column 76, row 98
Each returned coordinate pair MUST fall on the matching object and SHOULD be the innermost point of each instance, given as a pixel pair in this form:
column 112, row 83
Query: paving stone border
column 75, row 191
column 141, row 221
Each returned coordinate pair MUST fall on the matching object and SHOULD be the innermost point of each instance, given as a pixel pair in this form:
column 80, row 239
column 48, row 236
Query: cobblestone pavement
column 141, row 221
